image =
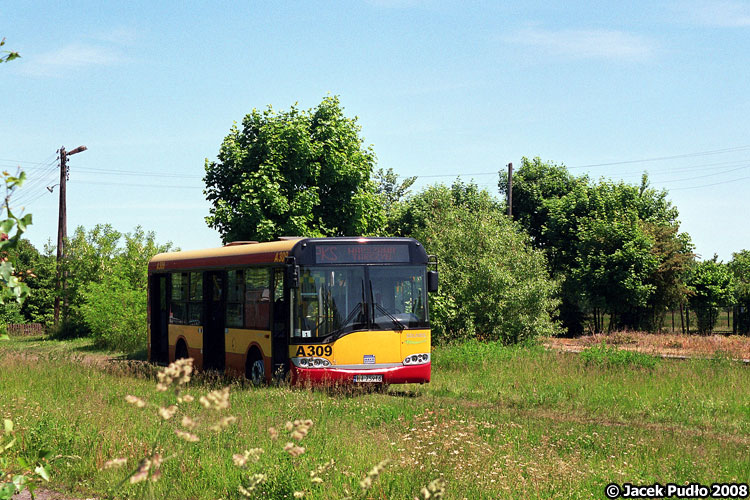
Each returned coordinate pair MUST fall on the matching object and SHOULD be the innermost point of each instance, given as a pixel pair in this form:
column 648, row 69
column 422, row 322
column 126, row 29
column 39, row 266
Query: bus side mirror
column 432, row 281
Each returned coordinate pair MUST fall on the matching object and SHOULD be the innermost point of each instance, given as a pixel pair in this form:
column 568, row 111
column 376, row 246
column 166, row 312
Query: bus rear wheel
column 180, row 350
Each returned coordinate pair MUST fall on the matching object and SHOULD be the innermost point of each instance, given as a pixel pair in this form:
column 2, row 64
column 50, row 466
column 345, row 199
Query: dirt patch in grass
column 42, row 494
column 668, row 344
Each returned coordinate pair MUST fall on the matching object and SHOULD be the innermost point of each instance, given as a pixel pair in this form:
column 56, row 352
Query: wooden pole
column 62, row 232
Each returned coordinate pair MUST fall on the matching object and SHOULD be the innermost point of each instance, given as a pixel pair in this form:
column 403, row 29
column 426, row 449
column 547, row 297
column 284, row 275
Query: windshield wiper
column 399, row 325
column 357, row 309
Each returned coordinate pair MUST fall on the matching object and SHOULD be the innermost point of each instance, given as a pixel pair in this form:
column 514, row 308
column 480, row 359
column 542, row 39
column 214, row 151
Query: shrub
column 115, row 313
column 493, row 285
column 70, row 328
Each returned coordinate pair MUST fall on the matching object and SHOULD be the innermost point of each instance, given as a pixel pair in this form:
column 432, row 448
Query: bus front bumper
column 404, row 374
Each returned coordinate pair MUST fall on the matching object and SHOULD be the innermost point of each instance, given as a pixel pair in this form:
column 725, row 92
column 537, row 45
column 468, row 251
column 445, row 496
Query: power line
column 29, row 162
column 708, row 175
column 160, row 186
column 709, row 185
column 661, row 158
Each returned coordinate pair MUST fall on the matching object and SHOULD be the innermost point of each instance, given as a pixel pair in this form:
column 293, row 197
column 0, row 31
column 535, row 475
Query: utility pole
column 62, row 228
column 510, row 190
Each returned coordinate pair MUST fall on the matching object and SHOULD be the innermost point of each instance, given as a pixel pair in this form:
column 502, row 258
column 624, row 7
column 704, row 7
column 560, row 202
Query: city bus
column 317, row 310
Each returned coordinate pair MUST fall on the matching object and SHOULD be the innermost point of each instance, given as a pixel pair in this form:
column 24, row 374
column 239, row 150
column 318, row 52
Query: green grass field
column 494, row 422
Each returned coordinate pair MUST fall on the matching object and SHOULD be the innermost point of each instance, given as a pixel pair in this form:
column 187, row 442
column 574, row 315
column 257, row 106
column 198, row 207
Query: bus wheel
column 255, row 370
column 180, row 351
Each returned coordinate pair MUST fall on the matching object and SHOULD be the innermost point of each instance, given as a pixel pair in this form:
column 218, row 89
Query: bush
column 493, row 285
column 69, row 328
column 115, row 314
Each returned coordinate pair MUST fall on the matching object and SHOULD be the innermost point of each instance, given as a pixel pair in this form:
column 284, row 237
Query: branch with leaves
column 6, row 55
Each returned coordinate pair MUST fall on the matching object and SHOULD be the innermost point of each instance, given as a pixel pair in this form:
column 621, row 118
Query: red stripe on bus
column 409, row 374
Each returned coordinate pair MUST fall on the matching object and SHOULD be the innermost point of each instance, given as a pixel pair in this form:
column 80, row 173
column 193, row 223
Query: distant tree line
column 578, row 255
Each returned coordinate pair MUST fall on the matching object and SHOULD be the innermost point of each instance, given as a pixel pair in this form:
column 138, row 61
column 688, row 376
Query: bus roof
column 228, row 255
column 273, row 252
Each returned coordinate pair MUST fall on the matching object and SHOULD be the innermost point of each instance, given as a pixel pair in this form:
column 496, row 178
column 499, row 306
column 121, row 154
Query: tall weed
column 604, row 355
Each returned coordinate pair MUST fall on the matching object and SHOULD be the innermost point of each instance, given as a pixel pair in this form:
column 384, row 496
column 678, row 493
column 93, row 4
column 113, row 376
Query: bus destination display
column 353, row 254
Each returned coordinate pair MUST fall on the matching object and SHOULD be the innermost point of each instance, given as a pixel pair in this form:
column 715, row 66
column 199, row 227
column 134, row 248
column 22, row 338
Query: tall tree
column 294, row 173
column 615, row 247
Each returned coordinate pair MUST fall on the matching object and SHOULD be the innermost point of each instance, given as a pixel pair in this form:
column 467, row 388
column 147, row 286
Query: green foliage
column 12, row 286
column 88, row 257
column 604, row 355
column 493, row 285
column 11, row 313
column 615, row 247
column 711, row 285
column 294, row 173
column 106, row 286
column 9, row 55
column 473, row 352
column 739, row 266
column 115, row 313
column 414, row 213
column 392, row 192
column 38, row 272
column 31, row 469
column 534, row 184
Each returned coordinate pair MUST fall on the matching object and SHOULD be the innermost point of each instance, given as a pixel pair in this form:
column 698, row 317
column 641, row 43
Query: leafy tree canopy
column 415, row 212
column 616, row 247
column 295, row 173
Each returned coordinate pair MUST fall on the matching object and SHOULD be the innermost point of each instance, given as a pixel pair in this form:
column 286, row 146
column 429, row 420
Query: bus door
column 214, row 295
column 159, row 318
column 280, row 330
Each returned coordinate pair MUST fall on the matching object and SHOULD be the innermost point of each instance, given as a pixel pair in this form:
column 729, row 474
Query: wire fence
column 730, row 320
column 25, row 329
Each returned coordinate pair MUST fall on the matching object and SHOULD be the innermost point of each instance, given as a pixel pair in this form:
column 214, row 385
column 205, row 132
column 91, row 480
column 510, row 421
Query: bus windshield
column 331, row 301
column 398, row 296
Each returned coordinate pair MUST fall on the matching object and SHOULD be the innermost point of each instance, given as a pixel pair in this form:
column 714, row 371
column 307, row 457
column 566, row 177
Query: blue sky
column 440, row 89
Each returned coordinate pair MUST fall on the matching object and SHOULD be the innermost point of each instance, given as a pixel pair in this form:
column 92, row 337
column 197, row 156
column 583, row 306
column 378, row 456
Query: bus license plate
column 368, row 378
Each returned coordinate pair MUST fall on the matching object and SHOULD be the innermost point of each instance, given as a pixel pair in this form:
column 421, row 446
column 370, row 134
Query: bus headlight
column 417, row 359
column 311, row 362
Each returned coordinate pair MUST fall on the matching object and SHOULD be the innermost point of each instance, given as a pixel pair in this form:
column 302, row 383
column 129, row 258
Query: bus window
column 178, row 306
column 328, row 301
column 235, row 296
column 398, row 296
column 195, row 299
column 257, row 305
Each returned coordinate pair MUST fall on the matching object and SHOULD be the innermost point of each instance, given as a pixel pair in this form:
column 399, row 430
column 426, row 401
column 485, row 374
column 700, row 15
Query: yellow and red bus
column 308, row 309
